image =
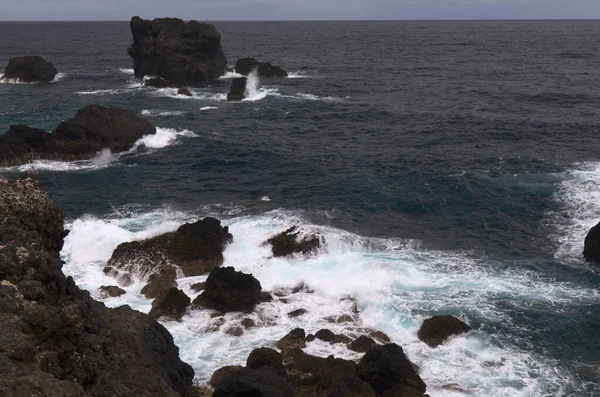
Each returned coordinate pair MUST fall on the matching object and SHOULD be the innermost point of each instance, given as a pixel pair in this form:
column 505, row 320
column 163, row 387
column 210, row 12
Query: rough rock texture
column 184, row 54
column 157, row 82
column 293, row 241
column 198, row 287
column 266, row 358
column 362, row 344
column 297, row 313
column 246, row 65
column 223, row 373
column 196, row 248
column 160, row 282
column 110, row 291
column 438, row 329
column 591, row 247
column 228, row 290
column 92, row 129
column 184, row 91
column 328, row 336
column 390, row 373
column 237, row 92
column 380, row 336
column 57, row 341
column 171, row 303
column 249, row 382
column 30, row 69
column 295, row 339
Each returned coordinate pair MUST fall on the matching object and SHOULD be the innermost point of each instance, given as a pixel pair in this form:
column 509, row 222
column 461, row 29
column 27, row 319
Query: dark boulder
column 30, row 69
column 158, row 283
column 184, row 91
column 157, row 82
column 228, row 290
column 92, row 129
column 380, row 336
column 68, row 344
column 110, row 291
column 237, row 92
column 196, row 248
column 249, row 382
column 438, row 329
column 591, row 247
column 328, row 336
column 266, row 358
column 295, row 339
column 184, row 54
column 171, row 303
column 223, row 373
column 245, row 66
column 389, row 372
column 297, row 313
column 198, row 286
column 294, row 241
column 362, row 344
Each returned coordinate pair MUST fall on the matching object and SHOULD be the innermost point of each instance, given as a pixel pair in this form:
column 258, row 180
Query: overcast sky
column 222, row 10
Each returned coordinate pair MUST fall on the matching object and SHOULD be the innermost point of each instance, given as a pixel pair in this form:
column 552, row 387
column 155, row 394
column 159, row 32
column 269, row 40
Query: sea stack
column 237, row 92
column 30, row 69
column 183, row 54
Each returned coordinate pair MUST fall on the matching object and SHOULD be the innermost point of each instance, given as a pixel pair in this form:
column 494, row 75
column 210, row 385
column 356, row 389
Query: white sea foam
column 297, row 75
column 126, row 71
column 163, row 137
column 114, row 91
column 230, row 74
column 205, row 108
column 158, row 113
column 59, row 77
column 391, row 281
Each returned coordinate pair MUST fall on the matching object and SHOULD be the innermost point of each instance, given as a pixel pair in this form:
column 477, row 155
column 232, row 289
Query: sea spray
column 252, row 85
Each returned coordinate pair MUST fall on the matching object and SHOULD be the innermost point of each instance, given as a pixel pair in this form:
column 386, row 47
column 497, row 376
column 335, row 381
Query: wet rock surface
column 436, row 330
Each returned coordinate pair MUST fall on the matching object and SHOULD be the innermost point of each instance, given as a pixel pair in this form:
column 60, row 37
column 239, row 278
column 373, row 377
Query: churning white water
column 394, row 284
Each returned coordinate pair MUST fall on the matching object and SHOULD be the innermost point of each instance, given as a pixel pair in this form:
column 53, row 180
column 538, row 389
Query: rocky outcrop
column 170, row 303
column 57, row 340
column 30, row 69
column 228, row 290
column 295, row 339
column 196, row 248
column 237, row 92
column 157, row 82
column 184, row 54
column 294, row 241
column 591, row 247
column 266, row 358
column 160, row 282
column 362, row 344
column 438, row 329
column 390, row 373
column 245, row 66
column 110, row 291
column 328, row 336
column 250, row 382
column 184, row 92
column 92, row 129
column 223, row 373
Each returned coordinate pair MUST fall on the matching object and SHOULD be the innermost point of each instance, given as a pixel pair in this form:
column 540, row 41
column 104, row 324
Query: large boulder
column 57, row 340
column 248, row 382
column 92, row 129
column 390, row 373
column 591, row 247
column 160, row 282
column 184, row 54
column 438, row 329
column 245, row 66
column 30, row 69
column 171, row 303
column 228, row 290
column 295, row 339
column 111, row 291
column 237, row 92
column 266, row 358
column 196, row 248
column 294, row 241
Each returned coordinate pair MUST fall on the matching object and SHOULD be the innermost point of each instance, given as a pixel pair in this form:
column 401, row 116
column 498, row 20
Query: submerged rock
column 591, row 247
column 438, row 329
column 184, row 54
column 30, row 69
column 294, row 241
column 66, row 343
column 171, row 303
column 237, row 92
column 110, row 291
column 184, row 91
column 228, row 290
column 93, row 129
column 196, row 248
column 245, row 66
column 198, row 286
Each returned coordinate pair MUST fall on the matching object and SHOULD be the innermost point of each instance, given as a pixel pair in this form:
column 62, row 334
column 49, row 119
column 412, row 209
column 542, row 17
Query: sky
column 225, row 10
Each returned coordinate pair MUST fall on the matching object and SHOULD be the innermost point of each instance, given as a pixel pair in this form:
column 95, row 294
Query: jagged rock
column 237, row 92
column 30, row 69
column 157, row 82
column 184, row 54
column 591, row 247
column 297, row 313
column 380, row 336
column 293, row 241
column 171, row 303
column 266, row 358
column 198, row 286
column 223, row 373
column 158, row 283
column 249, row 382
column 246, row 65
column 92, row 129
column 266, row 297
column 184, row 91
column 196, row 248
column 389, row 372
column 438, row 329
column 248, row 323
column 66, row 343
column 228, row 290
column 110, row 291
column 295, row 339
column 362, row 344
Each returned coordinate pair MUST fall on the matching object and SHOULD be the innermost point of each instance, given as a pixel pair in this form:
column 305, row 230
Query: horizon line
column 316, row 20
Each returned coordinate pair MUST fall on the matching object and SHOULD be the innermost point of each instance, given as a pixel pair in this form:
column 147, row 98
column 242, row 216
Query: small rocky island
column 30, row 69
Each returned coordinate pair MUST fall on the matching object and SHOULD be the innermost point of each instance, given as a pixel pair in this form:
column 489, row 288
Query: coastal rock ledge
column 58, row 341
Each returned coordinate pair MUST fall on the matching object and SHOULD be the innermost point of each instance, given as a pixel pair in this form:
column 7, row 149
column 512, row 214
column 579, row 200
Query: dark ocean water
column 476, row 142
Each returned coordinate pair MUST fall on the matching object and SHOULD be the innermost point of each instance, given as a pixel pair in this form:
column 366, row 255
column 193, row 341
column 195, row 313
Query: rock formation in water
column 591, row 248
column 228, row 290
column 196, row 248
column 184, row 54
column 92, row 129
column 237, row 92
column 294, row 241
column 56, row 340
column 246, row 65
column 30, row 69
column 438, row 329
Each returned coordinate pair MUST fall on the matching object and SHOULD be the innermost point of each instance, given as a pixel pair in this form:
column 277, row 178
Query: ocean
column 452, row 168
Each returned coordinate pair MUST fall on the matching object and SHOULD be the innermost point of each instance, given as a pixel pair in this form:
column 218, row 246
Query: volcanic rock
column 362, row 344
column 237, row 92
column 294, row 240
column 438, row 329
column 245, row 66
column 196, row 248
column 30, row 69
column 184, row 54
column 198, row 286
column 158, row 283
column 295, row 339
column 66, row 343
column 266, row 358
column 111, row 291
column 250, row 382
column 171, row 303
column 591, row 248
column 297, row 313
column 223, row 373
column 228, row 290
column 184, row 91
